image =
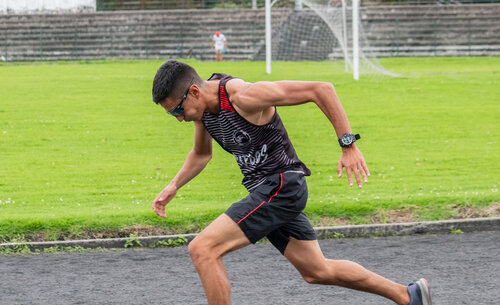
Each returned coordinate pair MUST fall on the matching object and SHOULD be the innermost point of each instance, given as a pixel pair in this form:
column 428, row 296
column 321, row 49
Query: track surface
column 461, row 269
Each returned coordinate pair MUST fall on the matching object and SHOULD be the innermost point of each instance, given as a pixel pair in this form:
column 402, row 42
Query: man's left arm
column 261, row 95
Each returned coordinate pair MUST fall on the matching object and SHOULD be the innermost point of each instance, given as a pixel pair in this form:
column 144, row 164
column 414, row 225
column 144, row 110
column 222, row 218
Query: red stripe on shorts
column 281, row 185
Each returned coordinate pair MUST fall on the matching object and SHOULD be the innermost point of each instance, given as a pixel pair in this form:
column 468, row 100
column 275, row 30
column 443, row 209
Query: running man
column 220, row 43
column 242, row 118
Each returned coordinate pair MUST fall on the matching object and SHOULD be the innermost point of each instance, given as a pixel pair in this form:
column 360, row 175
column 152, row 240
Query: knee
column 313, row 278
column 318, row 277
column 200, row 251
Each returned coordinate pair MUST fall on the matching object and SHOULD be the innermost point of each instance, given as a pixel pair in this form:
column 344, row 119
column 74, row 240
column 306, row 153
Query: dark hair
column 171, row 80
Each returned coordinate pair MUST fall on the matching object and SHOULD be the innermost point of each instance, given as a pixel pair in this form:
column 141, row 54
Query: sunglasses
column 178, row 110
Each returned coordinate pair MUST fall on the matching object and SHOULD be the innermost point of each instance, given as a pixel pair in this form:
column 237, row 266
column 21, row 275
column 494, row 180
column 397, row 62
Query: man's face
column 175, row 108
column 184, row 109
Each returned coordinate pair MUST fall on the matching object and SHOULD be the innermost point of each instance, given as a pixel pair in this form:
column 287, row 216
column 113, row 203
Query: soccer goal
column 322, row 30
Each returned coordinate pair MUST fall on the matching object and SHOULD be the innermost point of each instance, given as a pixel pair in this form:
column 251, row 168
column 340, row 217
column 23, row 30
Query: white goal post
column 323, row 30
column 355, row 33
column 355, row 39
column 268, row 35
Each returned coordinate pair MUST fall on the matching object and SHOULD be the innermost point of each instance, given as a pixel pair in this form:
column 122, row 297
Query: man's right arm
column 195, row 162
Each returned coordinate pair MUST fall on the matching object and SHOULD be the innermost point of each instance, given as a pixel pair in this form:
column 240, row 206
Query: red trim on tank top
column 224, row 102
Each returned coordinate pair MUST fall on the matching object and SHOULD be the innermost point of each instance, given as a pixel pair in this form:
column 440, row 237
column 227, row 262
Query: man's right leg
column 222, row 236
column 307, row 257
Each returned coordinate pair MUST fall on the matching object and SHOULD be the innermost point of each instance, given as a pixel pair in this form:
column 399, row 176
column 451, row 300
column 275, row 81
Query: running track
column 462, row 269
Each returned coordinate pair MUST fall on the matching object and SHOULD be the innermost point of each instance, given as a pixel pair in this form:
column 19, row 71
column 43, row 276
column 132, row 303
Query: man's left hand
column 353, row 161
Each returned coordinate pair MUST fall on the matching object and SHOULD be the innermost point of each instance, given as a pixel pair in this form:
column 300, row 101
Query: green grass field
column 84, row 149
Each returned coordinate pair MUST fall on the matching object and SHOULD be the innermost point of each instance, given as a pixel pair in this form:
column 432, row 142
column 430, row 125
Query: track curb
column 352, row 231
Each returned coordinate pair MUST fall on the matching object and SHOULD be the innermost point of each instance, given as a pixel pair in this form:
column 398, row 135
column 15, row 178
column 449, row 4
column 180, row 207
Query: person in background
column 219, row 42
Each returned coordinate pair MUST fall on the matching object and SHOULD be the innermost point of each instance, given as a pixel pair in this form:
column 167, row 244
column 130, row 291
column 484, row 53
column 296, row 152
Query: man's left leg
column 221, row 237
column 307, row 257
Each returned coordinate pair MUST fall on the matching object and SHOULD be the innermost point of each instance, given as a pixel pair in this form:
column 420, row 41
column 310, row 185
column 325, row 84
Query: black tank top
column 260, row 150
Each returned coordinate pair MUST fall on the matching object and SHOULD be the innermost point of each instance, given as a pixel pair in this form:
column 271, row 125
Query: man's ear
column 195, row 91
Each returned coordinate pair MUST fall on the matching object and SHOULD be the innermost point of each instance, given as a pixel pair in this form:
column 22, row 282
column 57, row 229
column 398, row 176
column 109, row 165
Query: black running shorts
column 274, row 210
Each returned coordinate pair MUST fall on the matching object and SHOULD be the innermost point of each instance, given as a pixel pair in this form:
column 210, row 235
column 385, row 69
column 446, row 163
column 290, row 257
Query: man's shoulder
column 236, row 85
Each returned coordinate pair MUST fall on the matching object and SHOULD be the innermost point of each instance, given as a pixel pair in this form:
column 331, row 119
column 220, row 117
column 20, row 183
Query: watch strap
column 356, row 137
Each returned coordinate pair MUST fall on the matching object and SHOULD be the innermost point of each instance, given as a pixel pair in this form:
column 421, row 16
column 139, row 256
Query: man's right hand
column 162, row 199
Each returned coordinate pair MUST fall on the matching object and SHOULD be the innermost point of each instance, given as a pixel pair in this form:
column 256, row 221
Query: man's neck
column 212, row 96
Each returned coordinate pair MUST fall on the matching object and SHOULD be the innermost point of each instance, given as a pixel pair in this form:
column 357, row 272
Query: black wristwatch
column 347, row 139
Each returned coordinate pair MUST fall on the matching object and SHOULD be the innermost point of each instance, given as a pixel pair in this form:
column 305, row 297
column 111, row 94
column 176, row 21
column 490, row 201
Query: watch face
column 347, row 139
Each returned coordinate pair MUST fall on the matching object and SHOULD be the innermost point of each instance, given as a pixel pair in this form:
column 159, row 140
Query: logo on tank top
column 241, row 138
column 256, row 158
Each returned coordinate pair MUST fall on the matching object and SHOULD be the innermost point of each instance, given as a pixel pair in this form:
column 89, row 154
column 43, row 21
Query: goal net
column 321, row 31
